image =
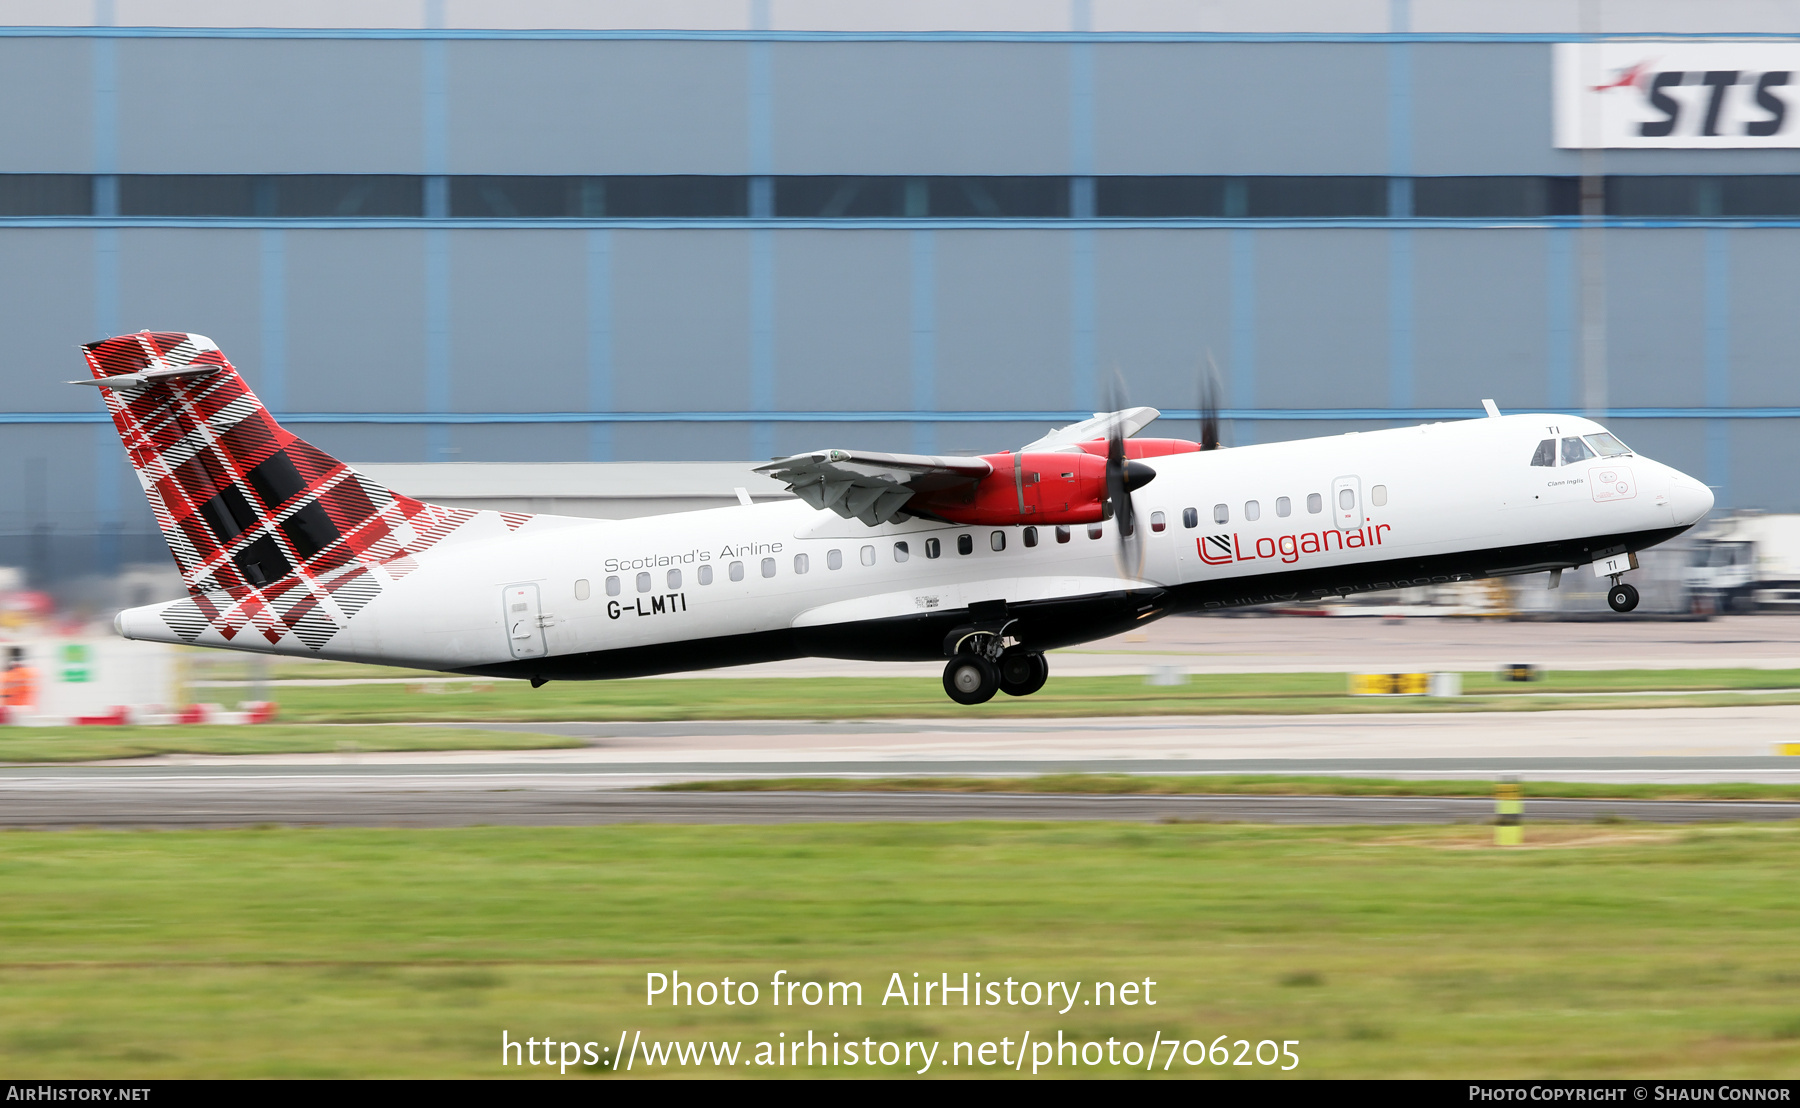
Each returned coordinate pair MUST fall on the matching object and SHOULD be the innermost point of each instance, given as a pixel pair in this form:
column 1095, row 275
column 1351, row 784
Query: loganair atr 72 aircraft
column 987, row 562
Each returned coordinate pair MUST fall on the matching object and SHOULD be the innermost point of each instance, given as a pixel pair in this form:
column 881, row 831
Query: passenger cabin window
column 643, row 582
column 1314, row 503
column 1190, row 518
column 933, row 548
column 705, row 575
column 581, row 589
column 1252, row 511
column 901, row 552
column 1221, row 514
column 1346, row 499
column 965, row 544
column 1096, row 531
column 1284, row 507
column 1158, row 521
column 868, row 555
column 1574, row 450
column 1062, row 532
column 1546, row 453
column 834, row 559
column 612, row 586
column 674, row 579
column 737, row 571
column 1378, row 496
column 997, row 540
column 1030, row 536
column 802, row 563
column 768, row 567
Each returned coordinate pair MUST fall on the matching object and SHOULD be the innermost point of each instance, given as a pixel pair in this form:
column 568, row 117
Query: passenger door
column 1346, row 503
column 523, row 621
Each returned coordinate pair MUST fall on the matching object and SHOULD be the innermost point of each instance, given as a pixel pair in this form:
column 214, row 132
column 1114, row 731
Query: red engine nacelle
column 1046, row 489
column 1144, row 448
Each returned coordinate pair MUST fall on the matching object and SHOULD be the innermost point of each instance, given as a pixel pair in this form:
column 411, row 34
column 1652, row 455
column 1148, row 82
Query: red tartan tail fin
column 265, row 528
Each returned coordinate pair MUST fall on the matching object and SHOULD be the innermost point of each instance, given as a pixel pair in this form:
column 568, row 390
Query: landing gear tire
column 1622, row 598
column 1023, row 674
column 971, row 679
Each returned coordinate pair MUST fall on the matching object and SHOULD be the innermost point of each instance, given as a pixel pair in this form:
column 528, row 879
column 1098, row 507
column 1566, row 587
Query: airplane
column 985, row 563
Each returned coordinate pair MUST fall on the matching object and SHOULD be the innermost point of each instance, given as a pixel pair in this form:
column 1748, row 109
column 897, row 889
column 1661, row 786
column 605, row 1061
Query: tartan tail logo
column 273, row 536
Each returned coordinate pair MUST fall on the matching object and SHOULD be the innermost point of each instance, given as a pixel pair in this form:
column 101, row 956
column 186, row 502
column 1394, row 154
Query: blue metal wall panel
column 1164, row 302
column 1764, row 325
column 47, row 121
column 681, row 322
column 1479, row 326
column 842, row 321
column 598, row 107
column 1241, row 108
column 216, row 106
column 1322, row 325
column 356, row 322
column 46, row 283
column 912, row 108
column 519, row 336
column 1003, row 321
column 1656, row 318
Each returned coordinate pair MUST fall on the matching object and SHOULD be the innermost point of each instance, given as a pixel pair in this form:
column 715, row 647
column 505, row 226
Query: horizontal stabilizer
column 149, row 376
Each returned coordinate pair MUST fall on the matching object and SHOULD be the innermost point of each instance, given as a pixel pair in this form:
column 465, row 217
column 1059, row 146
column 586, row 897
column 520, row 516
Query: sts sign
column 1694, row 96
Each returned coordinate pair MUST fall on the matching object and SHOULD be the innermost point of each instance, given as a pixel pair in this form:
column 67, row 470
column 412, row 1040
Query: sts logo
column 1692, row 95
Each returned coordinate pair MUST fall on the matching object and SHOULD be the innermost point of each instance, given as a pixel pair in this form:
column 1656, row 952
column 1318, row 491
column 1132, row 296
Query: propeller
column 1210, row 389
column 1123, row 477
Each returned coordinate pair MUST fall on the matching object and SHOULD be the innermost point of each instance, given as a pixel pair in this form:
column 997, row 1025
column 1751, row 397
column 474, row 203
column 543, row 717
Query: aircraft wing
column 1132, row 420
column 871, row 487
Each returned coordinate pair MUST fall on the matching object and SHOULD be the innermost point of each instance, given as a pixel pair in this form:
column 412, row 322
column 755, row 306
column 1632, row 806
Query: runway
column 598, row 782
column 1739, row 731
column 352, row 798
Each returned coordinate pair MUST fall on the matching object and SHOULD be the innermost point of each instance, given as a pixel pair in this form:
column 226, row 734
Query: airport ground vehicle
column 1747, row 562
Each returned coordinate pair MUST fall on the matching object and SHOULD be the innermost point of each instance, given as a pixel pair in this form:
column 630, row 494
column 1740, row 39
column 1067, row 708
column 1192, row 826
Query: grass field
column 1120, row 784
column 1594, row 951
column 84, row 744
column 907, row 697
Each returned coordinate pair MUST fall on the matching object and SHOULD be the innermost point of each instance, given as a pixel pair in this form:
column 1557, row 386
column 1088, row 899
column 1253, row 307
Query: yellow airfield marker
column 1389, row 684
column 1509, row 814
column 1788, row 748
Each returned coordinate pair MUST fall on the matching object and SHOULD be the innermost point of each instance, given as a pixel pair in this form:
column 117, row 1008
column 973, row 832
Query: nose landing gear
column 1621, row 597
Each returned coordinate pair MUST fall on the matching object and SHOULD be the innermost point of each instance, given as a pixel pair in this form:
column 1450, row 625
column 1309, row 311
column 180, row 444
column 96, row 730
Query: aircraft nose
column 1689, row 499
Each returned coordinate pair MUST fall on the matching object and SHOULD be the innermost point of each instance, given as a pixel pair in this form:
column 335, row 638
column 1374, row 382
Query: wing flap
column 870, row 486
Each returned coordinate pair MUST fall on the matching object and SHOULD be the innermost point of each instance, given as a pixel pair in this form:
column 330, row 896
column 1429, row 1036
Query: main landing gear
column 1621, row 597
column 974, row 679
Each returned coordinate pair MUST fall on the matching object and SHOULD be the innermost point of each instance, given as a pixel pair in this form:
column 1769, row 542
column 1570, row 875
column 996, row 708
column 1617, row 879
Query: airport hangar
column 510, row 231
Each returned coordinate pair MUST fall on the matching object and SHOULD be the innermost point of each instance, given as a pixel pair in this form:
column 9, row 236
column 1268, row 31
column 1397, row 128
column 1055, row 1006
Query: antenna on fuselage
column 1492, row 409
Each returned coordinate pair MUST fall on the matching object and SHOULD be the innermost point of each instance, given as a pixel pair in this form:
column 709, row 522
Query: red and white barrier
column 110, row 682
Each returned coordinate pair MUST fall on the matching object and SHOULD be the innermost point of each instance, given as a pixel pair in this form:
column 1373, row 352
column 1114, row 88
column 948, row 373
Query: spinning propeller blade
column 1209, row 403
column 1124, row 476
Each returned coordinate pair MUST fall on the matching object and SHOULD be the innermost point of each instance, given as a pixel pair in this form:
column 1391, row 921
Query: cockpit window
column 1546, row 453
column 1606, row 445
column 1574, row 450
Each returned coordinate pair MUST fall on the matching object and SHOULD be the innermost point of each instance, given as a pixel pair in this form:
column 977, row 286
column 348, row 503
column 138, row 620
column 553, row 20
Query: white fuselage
column 1347, row 513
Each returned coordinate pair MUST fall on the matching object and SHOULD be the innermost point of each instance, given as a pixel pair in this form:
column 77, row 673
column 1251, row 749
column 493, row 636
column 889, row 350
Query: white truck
column 1748, row 562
